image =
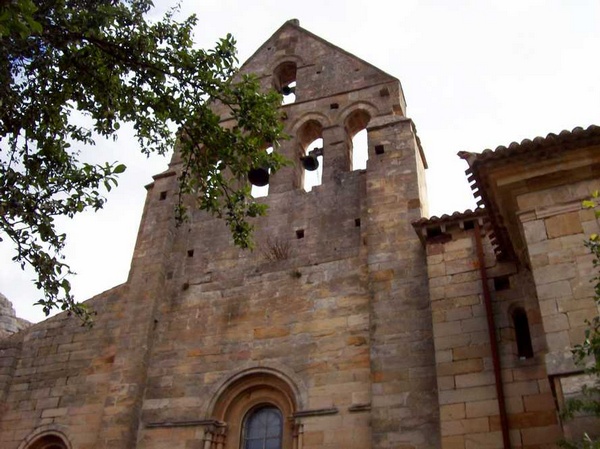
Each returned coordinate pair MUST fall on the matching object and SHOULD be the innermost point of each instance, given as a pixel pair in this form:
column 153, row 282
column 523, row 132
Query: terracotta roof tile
column 454, row 217
column 564, row 138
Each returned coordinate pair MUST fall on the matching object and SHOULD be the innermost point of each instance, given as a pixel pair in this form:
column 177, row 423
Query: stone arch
column 248, row 390
column 322, row 119
column 308, row 136
column 351, row 109
column 280, row 63
column 294, row 384
column 356, row 119
column 47, row 437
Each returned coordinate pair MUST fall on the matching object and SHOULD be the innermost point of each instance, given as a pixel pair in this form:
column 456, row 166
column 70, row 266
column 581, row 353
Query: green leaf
column 113, row 66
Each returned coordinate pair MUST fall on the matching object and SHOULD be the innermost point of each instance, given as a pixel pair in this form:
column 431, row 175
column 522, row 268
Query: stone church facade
column 357, row 323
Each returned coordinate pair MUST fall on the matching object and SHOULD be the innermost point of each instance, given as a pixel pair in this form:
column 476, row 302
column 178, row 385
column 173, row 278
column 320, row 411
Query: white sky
column 476, row 74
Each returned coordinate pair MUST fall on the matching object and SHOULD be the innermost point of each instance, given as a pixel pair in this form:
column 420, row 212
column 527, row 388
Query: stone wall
column 555, row 227
column 55, row 376
column 328, row 318
column 468, row 399
column 362, row 367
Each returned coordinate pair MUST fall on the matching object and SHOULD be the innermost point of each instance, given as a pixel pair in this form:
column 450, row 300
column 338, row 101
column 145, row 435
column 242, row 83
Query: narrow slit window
column 522, row 333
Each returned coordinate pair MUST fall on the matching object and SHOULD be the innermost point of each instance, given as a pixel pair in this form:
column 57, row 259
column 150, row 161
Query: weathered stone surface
column 363, row 333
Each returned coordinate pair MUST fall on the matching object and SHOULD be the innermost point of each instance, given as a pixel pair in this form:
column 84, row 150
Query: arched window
column 263, row 428
column 356, row 129
column 257, row 411
column 522, row 334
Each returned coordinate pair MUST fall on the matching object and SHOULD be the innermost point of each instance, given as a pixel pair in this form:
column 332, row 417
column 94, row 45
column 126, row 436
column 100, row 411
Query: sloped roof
column 565, row 139
column 423, row 226
column 538, row 149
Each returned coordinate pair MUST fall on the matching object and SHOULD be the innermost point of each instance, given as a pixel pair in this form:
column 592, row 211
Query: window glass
column 263, row 429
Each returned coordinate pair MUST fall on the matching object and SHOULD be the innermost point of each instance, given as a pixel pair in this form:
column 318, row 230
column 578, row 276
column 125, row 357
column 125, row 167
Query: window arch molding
column 356, row 121
column 301, row 121
column 352, row 109
column 47, row 437
column 251, row 390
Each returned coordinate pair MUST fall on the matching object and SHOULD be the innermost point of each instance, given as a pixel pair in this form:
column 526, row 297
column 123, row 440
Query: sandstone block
column 535, row 231
column 476, row 409
column 564, row 224
column 452, row 412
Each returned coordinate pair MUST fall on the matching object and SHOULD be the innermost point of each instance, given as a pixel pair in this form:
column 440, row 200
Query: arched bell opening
column 356, row 132
column 310, row 139
column 48, row 442
column 259, row 177
column 284, row 81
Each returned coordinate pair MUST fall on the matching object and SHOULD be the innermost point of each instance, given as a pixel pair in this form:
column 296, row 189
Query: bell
column 310, row 162
column 259, row 176
column 288, row 90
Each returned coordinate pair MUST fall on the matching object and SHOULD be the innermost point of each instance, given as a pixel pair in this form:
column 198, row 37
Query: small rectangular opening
column 434, row 232
column 334, row 106
column 501, row 283
column 470, row 224
column 162, row 196
column 379, row 149
column 357, row 222
column 384, row 92
column 300, row 233
column 190, row 253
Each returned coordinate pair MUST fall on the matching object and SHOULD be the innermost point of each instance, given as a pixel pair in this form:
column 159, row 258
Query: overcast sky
column 476, row 75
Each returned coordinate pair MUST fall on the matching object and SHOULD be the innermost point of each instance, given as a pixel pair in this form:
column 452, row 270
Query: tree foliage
column 108, row 61
column 587, row 354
